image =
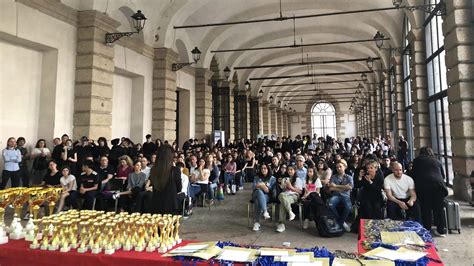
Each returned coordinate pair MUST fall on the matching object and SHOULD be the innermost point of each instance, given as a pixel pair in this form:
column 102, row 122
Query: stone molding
column 53, row 8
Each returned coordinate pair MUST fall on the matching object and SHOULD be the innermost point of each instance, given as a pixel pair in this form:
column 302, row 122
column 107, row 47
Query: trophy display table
column 17, row 252
column 431, row 250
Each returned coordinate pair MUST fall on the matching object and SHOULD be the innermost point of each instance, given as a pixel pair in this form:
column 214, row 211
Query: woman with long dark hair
column 166, row 181
column 263, row 184
column 431, row 190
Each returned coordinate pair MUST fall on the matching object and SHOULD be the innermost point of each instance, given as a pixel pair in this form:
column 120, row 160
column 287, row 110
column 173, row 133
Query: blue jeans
column 260, row 200
column 334, row 202
column 228, row 179
column 194, row 189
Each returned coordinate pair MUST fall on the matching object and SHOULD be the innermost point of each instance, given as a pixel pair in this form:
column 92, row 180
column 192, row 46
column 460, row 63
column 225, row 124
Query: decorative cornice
column 93, row 18
column 53, row 8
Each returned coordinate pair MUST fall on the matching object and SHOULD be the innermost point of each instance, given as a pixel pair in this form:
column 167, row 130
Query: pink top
column 124, row 172
column 230, row 167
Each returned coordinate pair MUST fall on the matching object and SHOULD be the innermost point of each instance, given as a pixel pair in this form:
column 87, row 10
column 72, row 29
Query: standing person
column 12, row 158
column 431, row 190
column 40, row 156
column 166, row 182
column 69, row 156
column 403, row 152
column 25, row 156
column 148, row 147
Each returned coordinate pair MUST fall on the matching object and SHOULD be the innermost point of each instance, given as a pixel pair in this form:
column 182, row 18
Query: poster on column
column 219, row 135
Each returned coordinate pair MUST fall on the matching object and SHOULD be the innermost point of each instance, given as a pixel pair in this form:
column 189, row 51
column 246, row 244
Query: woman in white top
column 40, row 156
column 292, row 188
column 69, row 185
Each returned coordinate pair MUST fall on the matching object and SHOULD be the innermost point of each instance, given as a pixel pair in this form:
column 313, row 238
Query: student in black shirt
column 88, row 184
column 148, row 147
column 51, row 179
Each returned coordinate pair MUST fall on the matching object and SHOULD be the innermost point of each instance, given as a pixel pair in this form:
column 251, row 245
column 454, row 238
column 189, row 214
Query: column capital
column 94, row 18
column 416, row 35
column 204, row 72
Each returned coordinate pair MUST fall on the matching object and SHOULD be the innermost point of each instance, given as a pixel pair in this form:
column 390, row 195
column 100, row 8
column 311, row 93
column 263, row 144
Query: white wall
column 296, row 128
column 37, row 73
column 20, row 97
column 121, row 106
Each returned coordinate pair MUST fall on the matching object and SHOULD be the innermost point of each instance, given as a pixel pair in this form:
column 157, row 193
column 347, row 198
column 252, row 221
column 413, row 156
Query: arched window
column 323, row 119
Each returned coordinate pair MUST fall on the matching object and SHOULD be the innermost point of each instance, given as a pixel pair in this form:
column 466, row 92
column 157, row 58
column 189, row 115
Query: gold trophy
column 176, row 230
column 36, row 199
column 16, row 229
column 162, row 225
column 4, row 201
column 52, row 197
column 110, row 246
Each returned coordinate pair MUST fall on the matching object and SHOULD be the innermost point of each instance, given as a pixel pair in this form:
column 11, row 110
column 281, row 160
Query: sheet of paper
column 188, row 248
column 400, row 254
column 410, row 255
column 235, row 255
column 296, row 258
column 314, row 263
column 401, row 238
column 274, row 252
column 351, row 262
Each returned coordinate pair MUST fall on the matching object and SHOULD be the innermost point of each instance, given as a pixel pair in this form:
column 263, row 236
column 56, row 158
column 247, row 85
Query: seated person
column 135, row 186
column 69, row 185
column 340, row 186
column 370, row 193
column 262, row 185
column 385, row 166
column 51, row 179
column 401, row 195
column 292, row 188
column 311, row 197
column 200, row 177
column 88, row 184
column 184, row 188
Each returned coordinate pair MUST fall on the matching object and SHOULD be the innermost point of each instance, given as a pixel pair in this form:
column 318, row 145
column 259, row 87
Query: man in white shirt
column 145, row 168
column 400, row 190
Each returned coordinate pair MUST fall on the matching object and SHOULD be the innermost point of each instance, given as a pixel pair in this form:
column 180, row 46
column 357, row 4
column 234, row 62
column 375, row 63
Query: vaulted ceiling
column 165, row 15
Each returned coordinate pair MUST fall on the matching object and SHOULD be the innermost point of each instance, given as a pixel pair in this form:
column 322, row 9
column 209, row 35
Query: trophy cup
column 109, row 246
column 35, row 244
column 44, row 241
column 176, row 230
column 152, row 236
column 16, row 229
column 141, row 237
column 36, row 199
column 52, row 197
column 64, row 243
column 163, row 224
column 4, row 201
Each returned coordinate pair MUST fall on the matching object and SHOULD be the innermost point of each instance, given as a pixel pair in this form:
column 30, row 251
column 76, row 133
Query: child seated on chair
column 263, row 184
column 292, row 188
column 69, row 185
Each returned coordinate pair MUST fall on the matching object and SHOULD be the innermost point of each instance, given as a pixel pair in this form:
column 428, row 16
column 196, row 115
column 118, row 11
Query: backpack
column 326, row 222
column 40, row 163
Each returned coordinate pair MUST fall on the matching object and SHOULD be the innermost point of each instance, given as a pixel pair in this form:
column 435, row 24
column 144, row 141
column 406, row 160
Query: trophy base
column 162, row 249
column 74, row 245
column 139, row 248
column 53, row 247
column 118, row 246
column 34, row 246
column 109, row 251
column 127, row 247
column 82, row 250
column 44, row 247
column 29, row 237
column 96, row 250
column 17, row 235
column 169, row 246
column 65, row 249
column 150, row 249
column 178, row 241
column 3, row 239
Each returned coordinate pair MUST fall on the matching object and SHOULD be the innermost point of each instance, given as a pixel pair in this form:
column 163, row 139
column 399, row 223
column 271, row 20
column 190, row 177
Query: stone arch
column 182, row 50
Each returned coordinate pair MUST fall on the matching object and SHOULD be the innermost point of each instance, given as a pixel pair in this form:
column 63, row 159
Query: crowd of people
column 359, row 178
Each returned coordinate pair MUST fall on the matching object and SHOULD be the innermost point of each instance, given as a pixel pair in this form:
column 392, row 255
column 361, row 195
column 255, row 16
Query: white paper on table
column 273, row 253
column 295, row 258
column 410, row 255
column 314, row 263
column 388, row 254
column 189, row 249
column 234, row 255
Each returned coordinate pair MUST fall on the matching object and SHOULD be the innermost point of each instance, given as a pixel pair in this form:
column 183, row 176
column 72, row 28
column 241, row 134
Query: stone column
column 164, row 95
column 273, row 119
column 279, row 122
column 231, row 116
column 203, row 103
column 400, row 113
column 266, row 129
column 459, row 38
column 419, row 94
column 284, row 123
column 387, row 108
column 373, row 113
column 379, row 108
column 94, row 76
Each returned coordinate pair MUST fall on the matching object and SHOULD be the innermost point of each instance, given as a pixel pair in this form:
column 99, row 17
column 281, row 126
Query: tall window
column 407, row 87
column 323, row 121
column 240, row 114
column 437, row 91
column 220, row 109
column 393, row 109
